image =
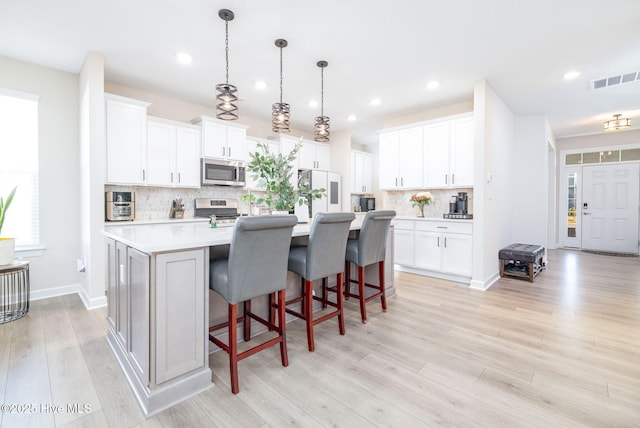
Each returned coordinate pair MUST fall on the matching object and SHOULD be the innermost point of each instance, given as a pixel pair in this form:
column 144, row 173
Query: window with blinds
column 19, row 166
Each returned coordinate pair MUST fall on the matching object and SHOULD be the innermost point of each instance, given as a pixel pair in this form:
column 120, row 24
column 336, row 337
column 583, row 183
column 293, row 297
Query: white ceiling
column 375, row 48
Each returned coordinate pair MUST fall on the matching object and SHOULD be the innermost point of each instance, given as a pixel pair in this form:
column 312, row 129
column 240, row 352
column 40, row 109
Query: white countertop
column 154, row 238
column 156, row 221
column 455, row 220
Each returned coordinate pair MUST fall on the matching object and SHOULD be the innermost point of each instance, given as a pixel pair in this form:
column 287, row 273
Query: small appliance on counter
column 119, row 206
column 177, row 209
column 459, row 207
column 224, row 210
column 367, row 204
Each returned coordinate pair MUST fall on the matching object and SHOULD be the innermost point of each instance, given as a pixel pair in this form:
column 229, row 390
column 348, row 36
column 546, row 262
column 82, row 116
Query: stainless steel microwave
column 222, row 172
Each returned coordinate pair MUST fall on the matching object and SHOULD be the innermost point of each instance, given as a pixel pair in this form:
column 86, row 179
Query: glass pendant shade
column 617, row 123
column 321, row 125
column 321, row 129
column 280, row 112
column 226, row 94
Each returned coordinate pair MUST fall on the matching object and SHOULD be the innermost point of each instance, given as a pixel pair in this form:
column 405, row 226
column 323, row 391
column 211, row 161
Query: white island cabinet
column 160, row 306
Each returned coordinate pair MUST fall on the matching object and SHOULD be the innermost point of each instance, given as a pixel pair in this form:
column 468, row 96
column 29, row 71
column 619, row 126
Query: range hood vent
column 619, row 79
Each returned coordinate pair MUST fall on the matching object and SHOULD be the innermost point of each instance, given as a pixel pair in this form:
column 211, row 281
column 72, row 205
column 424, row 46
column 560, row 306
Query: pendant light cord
column 280, row 74
column 322, row 91
column 226, row 49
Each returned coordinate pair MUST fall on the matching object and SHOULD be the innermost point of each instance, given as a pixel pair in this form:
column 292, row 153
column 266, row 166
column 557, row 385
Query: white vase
column 7, row 251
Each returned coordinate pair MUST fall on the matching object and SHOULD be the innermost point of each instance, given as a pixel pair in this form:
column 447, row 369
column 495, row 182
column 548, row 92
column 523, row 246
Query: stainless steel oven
column 222, row 172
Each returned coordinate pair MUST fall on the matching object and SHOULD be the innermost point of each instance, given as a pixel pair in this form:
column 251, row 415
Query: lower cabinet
column 432, row 246
column 159, row 330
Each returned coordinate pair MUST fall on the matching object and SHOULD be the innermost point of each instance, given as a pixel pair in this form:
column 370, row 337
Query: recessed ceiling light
column 352, row 118
column 433, row 84
column 571, row 75
column 375, row 101
column 313, row 103
column 260, row 84
column 183, row 58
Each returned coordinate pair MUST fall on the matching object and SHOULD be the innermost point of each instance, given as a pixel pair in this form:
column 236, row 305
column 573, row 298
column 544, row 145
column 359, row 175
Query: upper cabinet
column 314, row 156
column 448, row 148
column 173, row 154
column 222, row 140
column 435, row 154
column 361, row 172
column 401, row 159
column 126, row 140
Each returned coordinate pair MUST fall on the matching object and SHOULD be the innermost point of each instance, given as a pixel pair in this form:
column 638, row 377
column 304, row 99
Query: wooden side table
column 14, row 291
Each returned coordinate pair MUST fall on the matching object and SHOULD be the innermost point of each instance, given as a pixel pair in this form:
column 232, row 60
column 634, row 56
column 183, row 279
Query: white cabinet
column 126, row 140
column 436, row 248
column 401, row 159
column 138, row 283
column 222, row 140
column 444, row 247
column 448, row 153
column 314, row 156
column 173, row 154
column 361, row 172
column 403, row 242
column 252, row 147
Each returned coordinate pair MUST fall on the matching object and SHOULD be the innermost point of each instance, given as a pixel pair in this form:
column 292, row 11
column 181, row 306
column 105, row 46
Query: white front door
column 610, row 201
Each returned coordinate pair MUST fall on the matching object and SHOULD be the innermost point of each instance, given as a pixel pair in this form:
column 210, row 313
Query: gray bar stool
column 368, row 249
column 256, row 266
column 323, row 256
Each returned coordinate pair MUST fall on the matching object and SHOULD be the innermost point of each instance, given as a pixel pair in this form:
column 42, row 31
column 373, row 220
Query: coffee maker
column 459, row 207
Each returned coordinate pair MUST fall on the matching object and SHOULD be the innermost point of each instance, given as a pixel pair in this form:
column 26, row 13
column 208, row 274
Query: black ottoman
column 521, row 260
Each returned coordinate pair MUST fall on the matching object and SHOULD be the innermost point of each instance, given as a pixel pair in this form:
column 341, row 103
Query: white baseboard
column 484, row 285
column 54, row 292
column 89, row 303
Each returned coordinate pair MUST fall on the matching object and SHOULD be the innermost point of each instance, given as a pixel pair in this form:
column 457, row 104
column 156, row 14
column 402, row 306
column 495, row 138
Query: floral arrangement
column 421, row 199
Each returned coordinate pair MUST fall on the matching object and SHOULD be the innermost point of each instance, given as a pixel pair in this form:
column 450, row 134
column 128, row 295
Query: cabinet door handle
column 143, row 176
column 445, row 242
column 396, row 181
column 229, row 149
column 401, row 181
column 446, row 179
column 442, row 227
column 224, row 149
column 179, row 180
column 438, row 241
column 172, row 177
column 453, row 179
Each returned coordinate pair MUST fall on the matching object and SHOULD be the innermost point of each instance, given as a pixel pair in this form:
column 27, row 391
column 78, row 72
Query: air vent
column 606, row 82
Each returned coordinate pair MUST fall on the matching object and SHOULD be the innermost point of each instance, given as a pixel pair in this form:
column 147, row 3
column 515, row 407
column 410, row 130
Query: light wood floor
column 563, row 351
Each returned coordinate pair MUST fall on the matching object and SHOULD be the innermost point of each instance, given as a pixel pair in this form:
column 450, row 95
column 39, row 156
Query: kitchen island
column 160, row 307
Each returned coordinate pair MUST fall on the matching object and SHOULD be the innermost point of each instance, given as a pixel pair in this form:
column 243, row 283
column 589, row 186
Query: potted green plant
column 7, row 245
column 274, row 174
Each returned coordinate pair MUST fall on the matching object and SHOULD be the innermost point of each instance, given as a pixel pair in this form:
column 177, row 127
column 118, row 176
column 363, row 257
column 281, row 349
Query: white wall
column 55, row 271
column 92, row 174
column 493, row 220
column 530, row 190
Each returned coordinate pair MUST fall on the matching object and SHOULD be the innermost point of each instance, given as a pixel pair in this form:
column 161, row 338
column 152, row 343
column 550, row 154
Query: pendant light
column 321, row 127
column 280, row 114
column 226, row 98
column 617, row 123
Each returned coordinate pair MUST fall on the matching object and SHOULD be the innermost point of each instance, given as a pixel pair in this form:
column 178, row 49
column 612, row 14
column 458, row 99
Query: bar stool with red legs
column 368, row 249
column 256, row 266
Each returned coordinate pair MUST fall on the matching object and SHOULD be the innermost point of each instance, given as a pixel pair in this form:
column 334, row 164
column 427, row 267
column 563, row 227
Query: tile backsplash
column 399, row 200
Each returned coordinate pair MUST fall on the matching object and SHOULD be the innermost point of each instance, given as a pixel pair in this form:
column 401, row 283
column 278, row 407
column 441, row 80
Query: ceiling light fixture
column 352, row 118
column 433, row 84
column 183, row 58
column 260, row 84
column 321, row 128
column 226, row 98
column 313, row 104
column 617, row 123
column 280, row 113
column 571, row 75
column 375, row 102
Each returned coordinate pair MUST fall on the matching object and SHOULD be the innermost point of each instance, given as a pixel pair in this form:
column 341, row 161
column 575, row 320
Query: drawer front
column 444, row 226
column 403, row 224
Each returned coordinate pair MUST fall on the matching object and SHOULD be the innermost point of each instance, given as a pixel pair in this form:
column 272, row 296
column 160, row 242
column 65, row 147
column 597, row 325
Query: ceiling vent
column 616, row 80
